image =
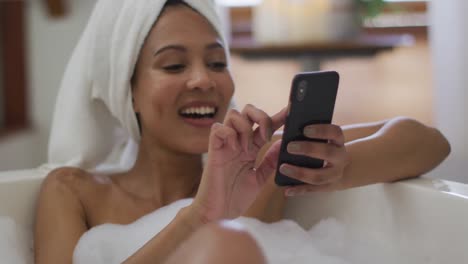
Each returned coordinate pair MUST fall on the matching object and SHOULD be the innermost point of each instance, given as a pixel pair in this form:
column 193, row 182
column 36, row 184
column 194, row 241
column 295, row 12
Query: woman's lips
column 199, row 122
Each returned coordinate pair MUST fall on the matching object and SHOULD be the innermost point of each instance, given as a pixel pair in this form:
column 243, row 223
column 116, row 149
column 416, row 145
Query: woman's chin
column 198, row 147
column 196, row 151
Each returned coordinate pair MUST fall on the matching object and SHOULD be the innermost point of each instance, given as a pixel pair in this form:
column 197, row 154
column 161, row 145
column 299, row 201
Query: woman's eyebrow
column 215, row 45
column 169, row 47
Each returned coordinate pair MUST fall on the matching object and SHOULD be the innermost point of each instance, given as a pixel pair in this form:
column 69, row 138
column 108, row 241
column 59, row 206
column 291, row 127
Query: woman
column 180, row 93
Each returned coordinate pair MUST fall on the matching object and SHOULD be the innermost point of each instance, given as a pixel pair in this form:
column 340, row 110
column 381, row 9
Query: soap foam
column 285, row 241
column 327, row 242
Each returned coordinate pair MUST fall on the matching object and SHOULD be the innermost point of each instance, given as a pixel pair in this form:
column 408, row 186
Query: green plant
column 370, row 8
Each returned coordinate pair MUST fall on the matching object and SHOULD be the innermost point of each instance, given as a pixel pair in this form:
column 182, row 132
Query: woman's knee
column 229, row 241
column 223, row 242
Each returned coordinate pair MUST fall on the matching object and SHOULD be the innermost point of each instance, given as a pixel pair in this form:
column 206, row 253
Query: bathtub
column 421, row 216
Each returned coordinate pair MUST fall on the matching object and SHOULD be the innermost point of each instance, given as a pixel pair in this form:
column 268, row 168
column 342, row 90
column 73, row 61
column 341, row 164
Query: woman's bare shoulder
column 75, row 181
column 60, row 215
column 66, row 177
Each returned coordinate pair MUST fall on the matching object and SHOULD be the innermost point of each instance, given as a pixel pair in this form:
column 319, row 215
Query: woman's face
column 181, row 84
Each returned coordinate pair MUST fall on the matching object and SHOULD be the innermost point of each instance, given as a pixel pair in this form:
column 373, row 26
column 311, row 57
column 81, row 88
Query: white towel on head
column 94, row 125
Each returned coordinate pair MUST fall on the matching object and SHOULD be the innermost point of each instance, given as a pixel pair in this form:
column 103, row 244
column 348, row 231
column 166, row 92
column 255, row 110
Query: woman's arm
column 370, row 153
column 269, row 205
column 392, row 150
column 381, row 151
column 60, row 219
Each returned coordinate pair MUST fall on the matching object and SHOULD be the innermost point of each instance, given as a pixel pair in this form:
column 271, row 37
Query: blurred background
column 395, row 58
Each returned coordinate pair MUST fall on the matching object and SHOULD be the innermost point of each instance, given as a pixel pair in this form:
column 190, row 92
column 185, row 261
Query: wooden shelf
column 364, row 44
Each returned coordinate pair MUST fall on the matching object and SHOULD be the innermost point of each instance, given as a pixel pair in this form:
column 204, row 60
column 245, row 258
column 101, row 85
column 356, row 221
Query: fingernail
column 294, row 147
column 286, row 171
column 309, row 131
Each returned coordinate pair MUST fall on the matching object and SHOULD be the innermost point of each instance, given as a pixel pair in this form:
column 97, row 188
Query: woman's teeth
column 199, row 112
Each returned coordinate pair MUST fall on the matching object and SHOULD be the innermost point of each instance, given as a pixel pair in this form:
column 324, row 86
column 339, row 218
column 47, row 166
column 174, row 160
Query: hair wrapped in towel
column 94, row 125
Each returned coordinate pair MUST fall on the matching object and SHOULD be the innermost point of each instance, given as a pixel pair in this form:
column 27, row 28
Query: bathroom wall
column 449, row 39
column 50, row 42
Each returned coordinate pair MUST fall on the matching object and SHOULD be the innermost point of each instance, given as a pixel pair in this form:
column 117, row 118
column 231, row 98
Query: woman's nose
column 200, row 79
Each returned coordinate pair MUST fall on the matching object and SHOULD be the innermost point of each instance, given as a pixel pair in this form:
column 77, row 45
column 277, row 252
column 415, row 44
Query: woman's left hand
column 334, row 154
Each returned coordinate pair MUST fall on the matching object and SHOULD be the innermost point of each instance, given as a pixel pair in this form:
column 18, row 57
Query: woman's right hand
column 230, row 181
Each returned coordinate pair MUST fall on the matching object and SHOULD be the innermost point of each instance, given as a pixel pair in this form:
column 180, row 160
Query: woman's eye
column 218, row 66
column 174, row 68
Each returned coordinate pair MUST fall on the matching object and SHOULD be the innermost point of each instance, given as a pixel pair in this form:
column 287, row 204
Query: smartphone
column 311, row 101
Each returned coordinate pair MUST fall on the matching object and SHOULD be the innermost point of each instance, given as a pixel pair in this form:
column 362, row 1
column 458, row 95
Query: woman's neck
column 163, row 175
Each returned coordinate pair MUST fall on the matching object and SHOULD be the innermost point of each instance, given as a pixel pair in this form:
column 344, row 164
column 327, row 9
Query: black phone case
column 315, row 108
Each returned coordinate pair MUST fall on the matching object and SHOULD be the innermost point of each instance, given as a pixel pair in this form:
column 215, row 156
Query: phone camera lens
column 301, row 91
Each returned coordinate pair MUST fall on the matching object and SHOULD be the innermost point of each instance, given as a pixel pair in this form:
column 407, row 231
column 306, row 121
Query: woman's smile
column 199, row 113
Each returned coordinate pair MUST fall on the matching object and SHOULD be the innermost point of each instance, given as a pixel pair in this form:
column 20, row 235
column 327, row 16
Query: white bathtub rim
column 456, row 189
column 23, row 175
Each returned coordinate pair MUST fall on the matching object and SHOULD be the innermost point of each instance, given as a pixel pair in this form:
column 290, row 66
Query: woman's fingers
column 242, row 126
column 330, row 153
column 332, row 133
column 222, row 136
column 310, row 176
column 278, row 119
column 268, row 165
column 264, row 130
